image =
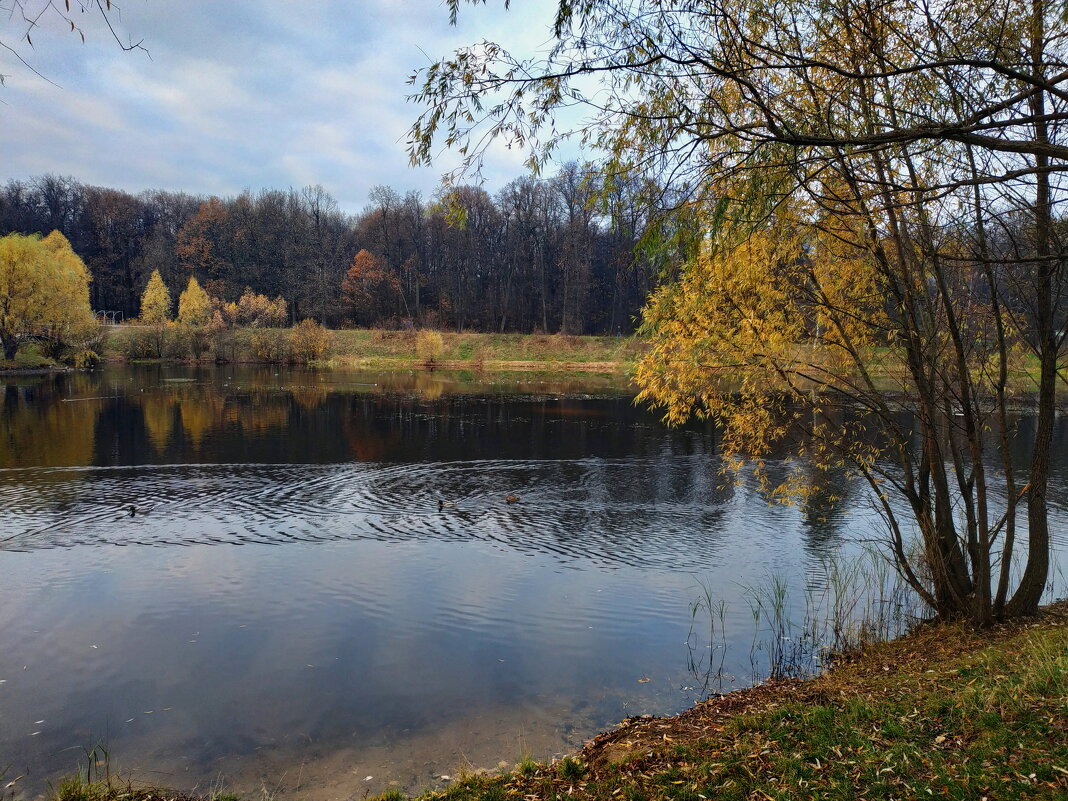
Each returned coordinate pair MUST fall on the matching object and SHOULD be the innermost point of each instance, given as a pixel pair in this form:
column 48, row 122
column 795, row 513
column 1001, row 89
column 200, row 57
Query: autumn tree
column 69, row 319
column 878, row 191
column 370, row 290
column 44, row 291
column 155, row 301
column 259, row 311
column 201, row 242
column 156, row 311
column 195, row 311
column 194, row 305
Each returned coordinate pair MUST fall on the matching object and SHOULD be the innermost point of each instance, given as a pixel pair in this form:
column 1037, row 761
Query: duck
column 445, row 505
column 131, row 509
column 511, row 499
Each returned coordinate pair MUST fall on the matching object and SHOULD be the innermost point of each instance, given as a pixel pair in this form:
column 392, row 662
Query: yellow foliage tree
column 69, row 314
column 44, row 290
column 155, row 301
column 156, row 312
column 259, row 311
column 194, row 305
column 903, row 202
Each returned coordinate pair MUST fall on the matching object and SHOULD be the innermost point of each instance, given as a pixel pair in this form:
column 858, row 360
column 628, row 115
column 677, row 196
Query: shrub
column 429, row 346
column 83, row 359
column 268, row 345
column 144, row 343
column 192, row 340
column 308, row 341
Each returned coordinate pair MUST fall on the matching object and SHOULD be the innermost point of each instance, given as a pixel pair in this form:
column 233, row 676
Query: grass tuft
column 570, row 769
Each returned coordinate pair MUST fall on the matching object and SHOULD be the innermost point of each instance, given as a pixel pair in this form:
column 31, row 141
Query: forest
column 543, row 254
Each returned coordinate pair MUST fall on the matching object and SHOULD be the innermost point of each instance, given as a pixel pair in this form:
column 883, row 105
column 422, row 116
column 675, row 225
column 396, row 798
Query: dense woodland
column 541, row 255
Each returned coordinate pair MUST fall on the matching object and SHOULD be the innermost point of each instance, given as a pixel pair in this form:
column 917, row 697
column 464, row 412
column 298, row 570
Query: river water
column 240, row 579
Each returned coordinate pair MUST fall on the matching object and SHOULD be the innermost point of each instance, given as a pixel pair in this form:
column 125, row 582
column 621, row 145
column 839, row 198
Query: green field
column 382, row 349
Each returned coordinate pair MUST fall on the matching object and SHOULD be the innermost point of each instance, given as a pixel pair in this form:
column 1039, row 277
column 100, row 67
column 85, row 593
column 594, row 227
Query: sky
column 242, row 94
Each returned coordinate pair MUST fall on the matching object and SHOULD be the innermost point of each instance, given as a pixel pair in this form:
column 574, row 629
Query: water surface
column 287, row 607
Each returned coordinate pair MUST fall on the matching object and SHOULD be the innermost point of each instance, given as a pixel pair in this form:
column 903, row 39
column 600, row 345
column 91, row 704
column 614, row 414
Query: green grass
column 28, row 357
column 380, row 349
column 375, row 348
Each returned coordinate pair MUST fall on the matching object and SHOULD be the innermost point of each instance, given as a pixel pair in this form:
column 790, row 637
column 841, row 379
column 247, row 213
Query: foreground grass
column 944, row 713
column 940, row 713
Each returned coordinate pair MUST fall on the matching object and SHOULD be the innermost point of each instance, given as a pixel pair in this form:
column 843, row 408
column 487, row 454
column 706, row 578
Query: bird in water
column 511, row 499
column 445, row 505
column 131, row 509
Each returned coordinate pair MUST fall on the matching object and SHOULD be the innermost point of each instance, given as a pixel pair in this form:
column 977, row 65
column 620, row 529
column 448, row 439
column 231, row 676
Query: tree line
column 550, row 255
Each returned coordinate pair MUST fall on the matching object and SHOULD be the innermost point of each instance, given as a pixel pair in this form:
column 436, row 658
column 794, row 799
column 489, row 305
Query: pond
column 240, row 577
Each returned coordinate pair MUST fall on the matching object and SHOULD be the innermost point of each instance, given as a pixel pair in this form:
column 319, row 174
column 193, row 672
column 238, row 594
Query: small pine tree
column 156, row 301
column 194, row 305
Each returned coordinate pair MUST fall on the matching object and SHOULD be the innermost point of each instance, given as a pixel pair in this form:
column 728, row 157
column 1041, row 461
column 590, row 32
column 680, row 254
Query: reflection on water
column 287, row 605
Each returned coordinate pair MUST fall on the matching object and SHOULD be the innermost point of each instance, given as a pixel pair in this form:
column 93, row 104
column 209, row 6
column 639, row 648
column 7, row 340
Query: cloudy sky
column 242, row 93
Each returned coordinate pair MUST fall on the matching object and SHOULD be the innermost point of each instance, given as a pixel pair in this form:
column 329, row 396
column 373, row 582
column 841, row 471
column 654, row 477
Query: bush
column 83, row 359
column 308, row 341
column 429, row 346
column 191, row 340
column 268, row 345
column 144, row 343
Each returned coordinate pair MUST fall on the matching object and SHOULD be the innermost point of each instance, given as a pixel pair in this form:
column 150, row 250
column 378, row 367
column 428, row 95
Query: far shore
column 382, row 349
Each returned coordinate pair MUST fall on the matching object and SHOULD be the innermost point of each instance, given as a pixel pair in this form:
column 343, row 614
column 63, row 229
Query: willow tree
column 879, row 189
column 44, row 292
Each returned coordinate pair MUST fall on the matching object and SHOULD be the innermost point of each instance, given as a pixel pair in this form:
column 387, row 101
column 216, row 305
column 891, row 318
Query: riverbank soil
column 945, row 712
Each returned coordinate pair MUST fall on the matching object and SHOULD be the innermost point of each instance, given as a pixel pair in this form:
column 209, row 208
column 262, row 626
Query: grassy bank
column 944, row 712
column 495, row 352
column 380, row 349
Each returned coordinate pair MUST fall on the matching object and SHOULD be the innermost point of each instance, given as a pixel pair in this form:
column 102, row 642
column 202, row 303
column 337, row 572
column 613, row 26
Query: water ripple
column 568, row 509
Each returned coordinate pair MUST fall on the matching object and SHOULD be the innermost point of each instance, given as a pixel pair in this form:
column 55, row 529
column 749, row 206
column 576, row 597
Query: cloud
column 247, row 95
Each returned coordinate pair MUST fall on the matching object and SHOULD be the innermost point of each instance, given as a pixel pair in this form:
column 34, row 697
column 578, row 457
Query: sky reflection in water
column 288, row 594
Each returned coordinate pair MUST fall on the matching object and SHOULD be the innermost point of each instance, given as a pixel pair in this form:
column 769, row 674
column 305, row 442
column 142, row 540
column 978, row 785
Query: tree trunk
column 11, row 345
column 1029, row 592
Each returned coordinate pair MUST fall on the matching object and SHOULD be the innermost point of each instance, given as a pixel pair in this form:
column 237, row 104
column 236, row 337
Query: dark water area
column 240, row 578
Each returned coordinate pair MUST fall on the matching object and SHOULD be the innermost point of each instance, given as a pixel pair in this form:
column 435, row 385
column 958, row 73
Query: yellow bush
column 429, row 346
column 309, row 341
column 268, row 345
